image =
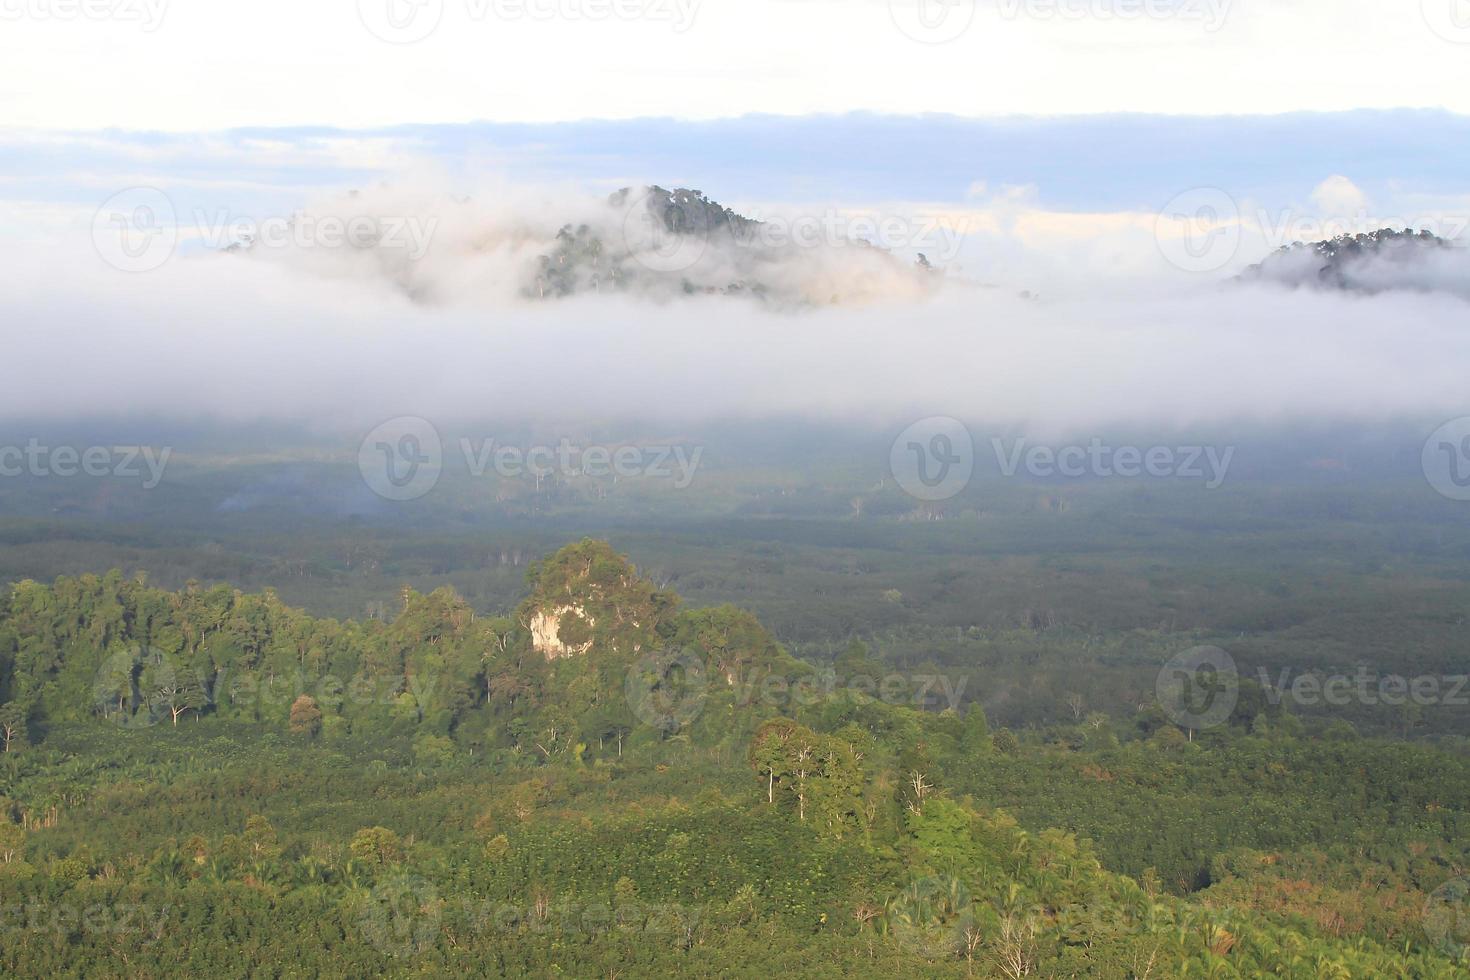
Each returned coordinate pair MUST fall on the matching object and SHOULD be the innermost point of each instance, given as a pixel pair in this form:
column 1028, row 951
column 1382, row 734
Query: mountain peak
column 1369, row 262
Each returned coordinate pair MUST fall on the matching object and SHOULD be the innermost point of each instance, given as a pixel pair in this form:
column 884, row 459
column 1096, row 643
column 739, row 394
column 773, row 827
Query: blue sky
column 1079, row 163
column 1091, row 106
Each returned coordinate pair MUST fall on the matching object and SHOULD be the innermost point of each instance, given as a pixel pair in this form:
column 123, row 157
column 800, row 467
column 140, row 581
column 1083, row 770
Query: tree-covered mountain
column 606, row 782
column 662, row 243
column 646, row 242
column 1369, row 262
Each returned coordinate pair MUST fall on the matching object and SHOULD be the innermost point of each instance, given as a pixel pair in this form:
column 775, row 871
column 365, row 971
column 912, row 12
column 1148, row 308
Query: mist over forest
column 674, row 488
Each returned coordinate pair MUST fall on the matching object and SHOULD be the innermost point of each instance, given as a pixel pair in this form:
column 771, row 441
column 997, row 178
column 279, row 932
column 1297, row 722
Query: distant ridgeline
column 1369, row 263
column 681, row 242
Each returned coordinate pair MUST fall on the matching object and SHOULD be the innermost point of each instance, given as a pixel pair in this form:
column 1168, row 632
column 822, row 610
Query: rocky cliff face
column 546, row 637
column 588, row 599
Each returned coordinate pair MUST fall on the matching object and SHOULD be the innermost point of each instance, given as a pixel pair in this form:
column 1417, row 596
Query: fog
column 338, row 338
column 1401, row 266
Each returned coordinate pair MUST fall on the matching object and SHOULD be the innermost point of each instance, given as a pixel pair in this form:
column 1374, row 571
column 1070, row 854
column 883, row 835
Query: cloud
column 520, row 243
column 287, row 62
column 345, row 338
column 1339, row 196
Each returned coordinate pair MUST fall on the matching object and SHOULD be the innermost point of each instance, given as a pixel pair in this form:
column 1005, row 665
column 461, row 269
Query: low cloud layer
column 342, row 337
column 643, row 241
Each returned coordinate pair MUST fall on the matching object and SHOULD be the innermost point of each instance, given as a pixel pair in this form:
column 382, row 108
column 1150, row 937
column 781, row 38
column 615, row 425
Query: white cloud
column 281, row 62
column 1338, row 196
column 332, row 339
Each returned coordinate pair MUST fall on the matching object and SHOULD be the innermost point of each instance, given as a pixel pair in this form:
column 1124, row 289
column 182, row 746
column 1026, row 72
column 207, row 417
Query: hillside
column 661, row 243
column 1371, row 262
column 664, row 789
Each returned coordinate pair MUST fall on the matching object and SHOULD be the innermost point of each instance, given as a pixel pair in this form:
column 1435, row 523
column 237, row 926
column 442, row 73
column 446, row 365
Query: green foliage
column 474, row 807
column 376, row 846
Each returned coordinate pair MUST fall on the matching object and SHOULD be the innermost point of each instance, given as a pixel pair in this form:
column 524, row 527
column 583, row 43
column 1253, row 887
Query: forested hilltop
column 606, row 782
column 1367, row 262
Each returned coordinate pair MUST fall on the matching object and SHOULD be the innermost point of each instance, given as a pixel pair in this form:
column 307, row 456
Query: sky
column 984, row 109
column 1041, row 203
column 1098, row 162
column 204, row 65
column 1088, row 175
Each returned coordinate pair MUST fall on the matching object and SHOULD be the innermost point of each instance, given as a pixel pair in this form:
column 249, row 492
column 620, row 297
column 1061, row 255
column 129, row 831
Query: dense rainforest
column 605, row 781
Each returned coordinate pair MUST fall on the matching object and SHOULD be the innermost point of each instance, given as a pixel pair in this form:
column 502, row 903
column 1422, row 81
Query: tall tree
column 13, row 725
